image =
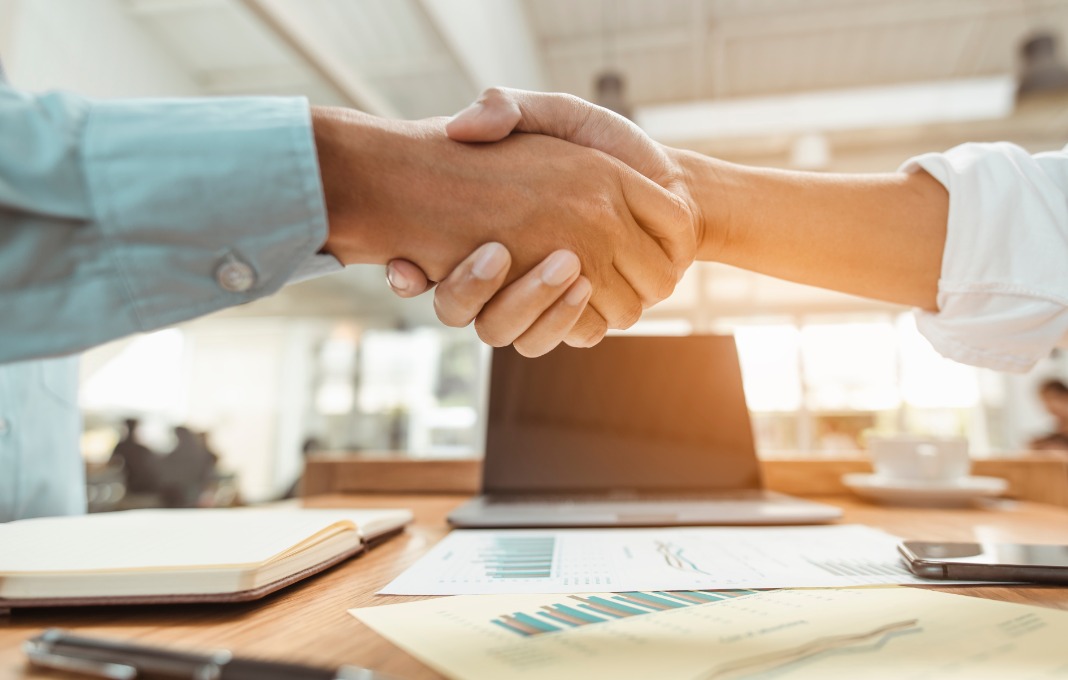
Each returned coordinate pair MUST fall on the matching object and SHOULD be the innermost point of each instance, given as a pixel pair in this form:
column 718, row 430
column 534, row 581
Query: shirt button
column 235, row 276
column 5, row 426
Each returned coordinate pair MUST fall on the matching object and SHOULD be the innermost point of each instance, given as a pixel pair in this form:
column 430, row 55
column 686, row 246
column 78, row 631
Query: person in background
column 186, row 470
column 310, row 446
column 1054, row 396
column 140, row 465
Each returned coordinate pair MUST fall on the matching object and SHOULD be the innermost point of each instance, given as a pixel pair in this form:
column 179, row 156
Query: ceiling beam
column 491, row 40
column 289, row 23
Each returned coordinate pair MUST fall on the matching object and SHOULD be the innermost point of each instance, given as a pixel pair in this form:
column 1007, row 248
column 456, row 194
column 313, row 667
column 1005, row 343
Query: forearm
column 875, row 235
column 146, row 213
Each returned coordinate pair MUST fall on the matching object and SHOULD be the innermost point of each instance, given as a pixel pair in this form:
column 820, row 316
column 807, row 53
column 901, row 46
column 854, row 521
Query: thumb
column 490, row 119
column 500, row 111
column 662, row 215
column 406, row 279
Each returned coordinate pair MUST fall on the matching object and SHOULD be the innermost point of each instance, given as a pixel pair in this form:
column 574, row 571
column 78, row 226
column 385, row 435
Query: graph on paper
column 792, row 634
column 481, row 562
column 792, row 659
column 575, row 611
column 518, row 557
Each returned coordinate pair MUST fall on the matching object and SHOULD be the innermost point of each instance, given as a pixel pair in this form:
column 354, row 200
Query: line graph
column 766, row 664
column 676, row 559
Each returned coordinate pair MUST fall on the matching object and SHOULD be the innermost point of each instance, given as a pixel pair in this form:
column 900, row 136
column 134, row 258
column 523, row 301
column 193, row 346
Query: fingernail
column 396, row 280
column 578, row 293
column 490, row 261
column 470, row 113
column 559, row 268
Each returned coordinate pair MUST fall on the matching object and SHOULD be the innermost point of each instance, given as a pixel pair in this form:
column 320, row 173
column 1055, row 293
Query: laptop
column 637, row 431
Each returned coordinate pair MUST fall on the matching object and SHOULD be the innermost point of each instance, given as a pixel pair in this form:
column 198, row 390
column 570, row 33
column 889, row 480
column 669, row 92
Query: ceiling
column 417, row 58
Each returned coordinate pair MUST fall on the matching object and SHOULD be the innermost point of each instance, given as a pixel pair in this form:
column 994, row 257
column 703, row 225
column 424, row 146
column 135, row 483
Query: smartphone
column 987, row 561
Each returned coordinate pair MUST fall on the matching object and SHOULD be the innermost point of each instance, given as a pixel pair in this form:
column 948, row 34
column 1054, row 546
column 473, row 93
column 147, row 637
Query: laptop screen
column 633, row 414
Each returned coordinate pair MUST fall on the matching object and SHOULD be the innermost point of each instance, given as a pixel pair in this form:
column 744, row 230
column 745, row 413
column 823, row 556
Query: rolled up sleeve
column 130, row 215
column 1003, row 290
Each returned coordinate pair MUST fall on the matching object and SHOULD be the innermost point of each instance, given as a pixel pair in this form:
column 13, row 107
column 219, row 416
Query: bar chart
column 515, row 557
column 580, row 610
column 574, row 561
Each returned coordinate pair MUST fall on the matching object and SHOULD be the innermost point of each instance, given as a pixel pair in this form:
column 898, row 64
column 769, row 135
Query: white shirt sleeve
column 1003, row 291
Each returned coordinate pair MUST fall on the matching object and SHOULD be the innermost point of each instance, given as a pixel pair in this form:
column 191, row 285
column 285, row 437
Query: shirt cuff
column 1002, row 297
column 205, row 203
column 315, row 266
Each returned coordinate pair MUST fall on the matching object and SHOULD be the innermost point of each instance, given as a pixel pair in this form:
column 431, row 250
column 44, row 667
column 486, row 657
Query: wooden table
column 309, row 622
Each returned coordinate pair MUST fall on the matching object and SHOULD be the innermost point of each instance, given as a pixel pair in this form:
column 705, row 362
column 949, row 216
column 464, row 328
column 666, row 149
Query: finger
column 664, row 216
column 500, row 111
column 588, row 331
column 464, row 292
column 406, row 279
column 550, row 329
column 514, row 310
column 643, row 264
column 615, row 299
column 491, row 118
column 640, row 273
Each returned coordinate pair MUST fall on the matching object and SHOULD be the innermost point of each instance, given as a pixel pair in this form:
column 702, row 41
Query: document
column 829, row 634
column 479, row 561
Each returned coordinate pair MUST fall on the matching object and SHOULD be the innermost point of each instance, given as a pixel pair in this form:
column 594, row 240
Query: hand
column 496, row 115
column 399, row 189
column 499, row 112
column 549, row 309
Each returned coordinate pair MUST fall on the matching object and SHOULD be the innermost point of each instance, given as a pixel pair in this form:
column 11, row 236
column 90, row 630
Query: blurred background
column 339, row 364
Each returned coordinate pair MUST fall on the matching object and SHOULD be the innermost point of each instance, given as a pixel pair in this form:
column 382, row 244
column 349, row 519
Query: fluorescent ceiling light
column 854, row 109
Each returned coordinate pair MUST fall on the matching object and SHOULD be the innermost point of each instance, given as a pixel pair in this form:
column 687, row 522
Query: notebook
column 171, row 556
column 637, row 431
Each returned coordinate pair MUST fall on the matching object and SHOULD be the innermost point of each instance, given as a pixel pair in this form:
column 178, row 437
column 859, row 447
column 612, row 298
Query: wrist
column 714, row 187
column 342, row 137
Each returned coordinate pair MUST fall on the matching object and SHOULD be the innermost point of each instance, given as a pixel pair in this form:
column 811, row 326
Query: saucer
column 917, row 492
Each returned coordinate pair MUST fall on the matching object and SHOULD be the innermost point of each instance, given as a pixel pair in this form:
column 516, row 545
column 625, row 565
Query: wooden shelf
column 1042, row 478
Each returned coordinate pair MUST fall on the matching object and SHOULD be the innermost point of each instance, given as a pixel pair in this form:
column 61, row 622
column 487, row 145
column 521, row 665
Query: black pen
column 60, row 650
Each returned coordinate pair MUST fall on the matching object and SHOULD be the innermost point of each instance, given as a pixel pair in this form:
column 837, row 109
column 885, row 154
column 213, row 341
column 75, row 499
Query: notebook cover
column 240, row 596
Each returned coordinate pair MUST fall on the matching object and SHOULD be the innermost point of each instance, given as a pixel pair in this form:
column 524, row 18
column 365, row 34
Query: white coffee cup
column 935, row 460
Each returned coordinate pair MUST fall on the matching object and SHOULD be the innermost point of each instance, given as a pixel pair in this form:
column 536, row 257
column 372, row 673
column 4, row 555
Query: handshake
column 548, row 219
column 544, row 218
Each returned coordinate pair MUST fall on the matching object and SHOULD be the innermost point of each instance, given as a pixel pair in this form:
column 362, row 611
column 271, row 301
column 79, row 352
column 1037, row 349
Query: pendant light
column 1041, row 70
column 610, row 86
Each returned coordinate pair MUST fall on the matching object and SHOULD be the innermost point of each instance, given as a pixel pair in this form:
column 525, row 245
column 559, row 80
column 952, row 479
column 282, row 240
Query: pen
column 57, row 649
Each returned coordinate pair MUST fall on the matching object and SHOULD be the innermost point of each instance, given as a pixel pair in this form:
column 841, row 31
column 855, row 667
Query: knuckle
column 530, row 349
column 665, row 284
column 594, row 335
column 587, row 336
column 449, row 311
column 495, row 93
column 491, row 335
column 629, row 315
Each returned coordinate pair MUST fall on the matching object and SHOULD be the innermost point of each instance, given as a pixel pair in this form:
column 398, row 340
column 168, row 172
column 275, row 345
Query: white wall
column 248, row 383
column 94, row 47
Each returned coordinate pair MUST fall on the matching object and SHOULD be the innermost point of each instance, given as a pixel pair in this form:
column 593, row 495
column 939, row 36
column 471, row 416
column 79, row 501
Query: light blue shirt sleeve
column 129, row 215
column 41, row 471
